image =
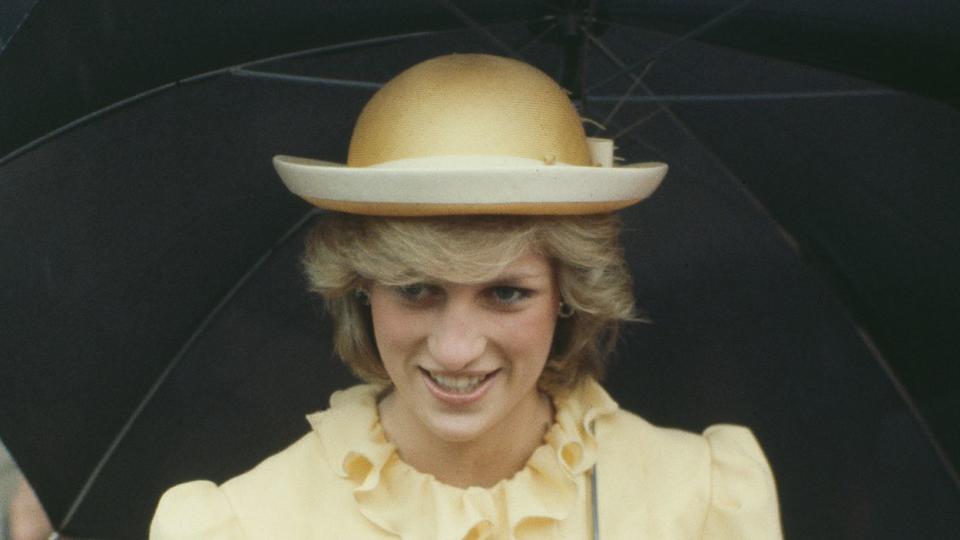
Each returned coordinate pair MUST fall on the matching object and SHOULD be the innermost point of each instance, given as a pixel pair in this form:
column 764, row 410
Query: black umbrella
column 155, row 324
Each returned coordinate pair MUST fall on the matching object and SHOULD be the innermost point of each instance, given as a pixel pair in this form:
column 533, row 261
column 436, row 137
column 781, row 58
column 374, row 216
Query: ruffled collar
column 393, row 495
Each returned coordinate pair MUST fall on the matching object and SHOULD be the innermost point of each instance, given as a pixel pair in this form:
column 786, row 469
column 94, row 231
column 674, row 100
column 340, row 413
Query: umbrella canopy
column 60, row 61
column 155, row 324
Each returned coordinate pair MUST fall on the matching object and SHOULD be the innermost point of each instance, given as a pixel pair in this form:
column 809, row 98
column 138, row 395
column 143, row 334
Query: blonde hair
column 345, row 252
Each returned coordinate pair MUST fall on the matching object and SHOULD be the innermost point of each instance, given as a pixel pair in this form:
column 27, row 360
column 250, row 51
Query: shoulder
column 715, row 485
column 671, row 459
column 275, row 495
column 743, row 493
column 200, row 508
column 194, row 510
column 295, row 493
column 277, row 485
column 287, row 464
column 719, row 446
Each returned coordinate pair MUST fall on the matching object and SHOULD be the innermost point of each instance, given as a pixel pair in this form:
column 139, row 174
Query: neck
column 484, row 461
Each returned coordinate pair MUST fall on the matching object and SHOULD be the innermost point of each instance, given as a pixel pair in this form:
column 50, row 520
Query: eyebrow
column 519, row 276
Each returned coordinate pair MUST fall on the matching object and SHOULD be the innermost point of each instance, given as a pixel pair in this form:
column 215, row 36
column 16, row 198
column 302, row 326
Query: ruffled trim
column 389, row 492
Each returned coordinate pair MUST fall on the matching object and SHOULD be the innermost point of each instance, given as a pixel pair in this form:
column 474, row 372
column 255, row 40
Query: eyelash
column 424, row 294
column 416, row 292
column 518, row 294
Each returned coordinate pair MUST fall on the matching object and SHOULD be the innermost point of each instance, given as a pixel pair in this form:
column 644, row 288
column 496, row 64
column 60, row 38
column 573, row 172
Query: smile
column 458, row 390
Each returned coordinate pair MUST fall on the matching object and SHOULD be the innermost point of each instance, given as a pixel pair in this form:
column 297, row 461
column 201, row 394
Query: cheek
column 532, row 334
column 395, row 330
column 387, row 327
column 382, row 322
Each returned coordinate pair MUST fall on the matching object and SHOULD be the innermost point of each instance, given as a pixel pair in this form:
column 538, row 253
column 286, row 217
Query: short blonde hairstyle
column 346, row 252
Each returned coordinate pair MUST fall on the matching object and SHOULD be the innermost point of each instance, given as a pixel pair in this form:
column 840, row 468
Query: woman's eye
column 416, row 292
column 508, row 295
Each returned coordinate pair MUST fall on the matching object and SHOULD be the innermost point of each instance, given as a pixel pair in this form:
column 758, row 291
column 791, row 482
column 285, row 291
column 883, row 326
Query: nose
column 456, row 339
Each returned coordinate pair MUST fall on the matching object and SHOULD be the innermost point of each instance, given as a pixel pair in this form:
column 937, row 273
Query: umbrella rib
column 135, row 415
column 662, row 99
column 82, row 120
column 305, row 79
column 226, row 70
column 763, row 96
column 584, row 51
column 908, row 400
column 538, row 37
column 477, row 27
column 901, row 391
column 660, row 154
column 638, row 123
column 637, row 79
column 3, row 46
column 340, row 47
column 669, row 46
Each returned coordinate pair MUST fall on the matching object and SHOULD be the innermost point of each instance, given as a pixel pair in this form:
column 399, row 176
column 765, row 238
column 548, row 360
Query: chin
column 457, row 430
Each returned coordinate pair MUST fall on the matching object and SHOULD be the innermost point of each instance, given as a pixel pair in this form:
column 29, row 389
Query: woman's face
column 465, row 359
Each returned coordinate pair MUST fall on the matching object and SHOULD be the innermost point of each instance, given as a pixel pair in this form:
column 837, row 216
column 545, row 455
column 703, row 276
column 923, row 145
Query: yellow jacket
column 345, row 480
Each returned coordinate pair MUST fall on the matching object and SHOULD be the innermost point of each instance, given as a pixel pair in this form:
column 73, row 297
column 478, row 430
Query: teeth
column 457, row 384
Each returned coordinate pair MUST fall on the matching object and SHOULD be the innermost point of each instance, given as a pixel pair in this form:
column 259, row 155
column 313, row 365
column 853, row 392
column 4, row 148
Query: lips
column 457, row 384
column 458, row 389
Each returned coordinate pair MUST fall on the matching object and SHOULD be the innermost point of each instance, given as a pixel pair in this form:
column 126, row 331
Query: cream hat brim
column 456, row 185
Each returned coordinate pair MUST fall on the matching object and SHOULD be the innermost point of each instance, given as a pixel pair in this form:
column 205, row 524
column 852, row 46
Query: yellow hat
column 471, row 134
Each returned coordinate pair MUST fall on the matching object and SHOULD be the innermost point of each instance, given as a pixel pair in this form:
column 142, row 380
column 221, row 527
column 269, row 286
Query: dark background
column 799, row 262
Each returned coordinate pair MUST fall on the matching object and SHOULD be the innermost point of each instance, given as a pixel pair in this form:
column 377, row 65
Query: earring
column 362, row 296
column 566, row 311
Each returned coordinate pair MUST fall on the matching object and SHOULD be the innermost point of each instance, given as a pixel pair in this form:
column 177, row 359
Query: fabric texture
column 344, row 479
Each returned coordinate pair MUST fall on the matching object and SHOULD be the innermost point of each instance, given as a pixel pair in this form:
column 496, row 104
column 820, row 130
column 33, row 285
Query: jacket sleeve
column 743, row 499
column 195, row 510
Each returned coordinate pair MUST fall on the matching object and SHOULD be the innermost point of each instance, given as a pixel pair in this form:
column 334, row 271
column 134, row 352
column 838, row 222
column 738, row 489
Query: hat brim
column 441, row 190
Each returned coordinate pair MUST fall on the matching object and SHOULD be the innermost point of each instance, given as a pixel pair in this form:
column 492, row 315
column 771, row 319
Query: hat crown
column 469, row 105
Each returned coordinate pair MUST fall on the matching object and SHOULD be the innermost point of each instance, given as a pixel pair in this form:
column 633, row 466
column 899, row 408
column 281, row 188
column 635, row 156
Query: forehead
column 527, row 265
column 529, row 270
column 472, row 268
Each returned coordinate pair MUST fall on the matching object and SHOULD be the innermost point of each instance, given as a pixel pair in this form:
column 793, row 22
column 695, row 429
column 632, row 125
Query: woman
column 472, row 269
